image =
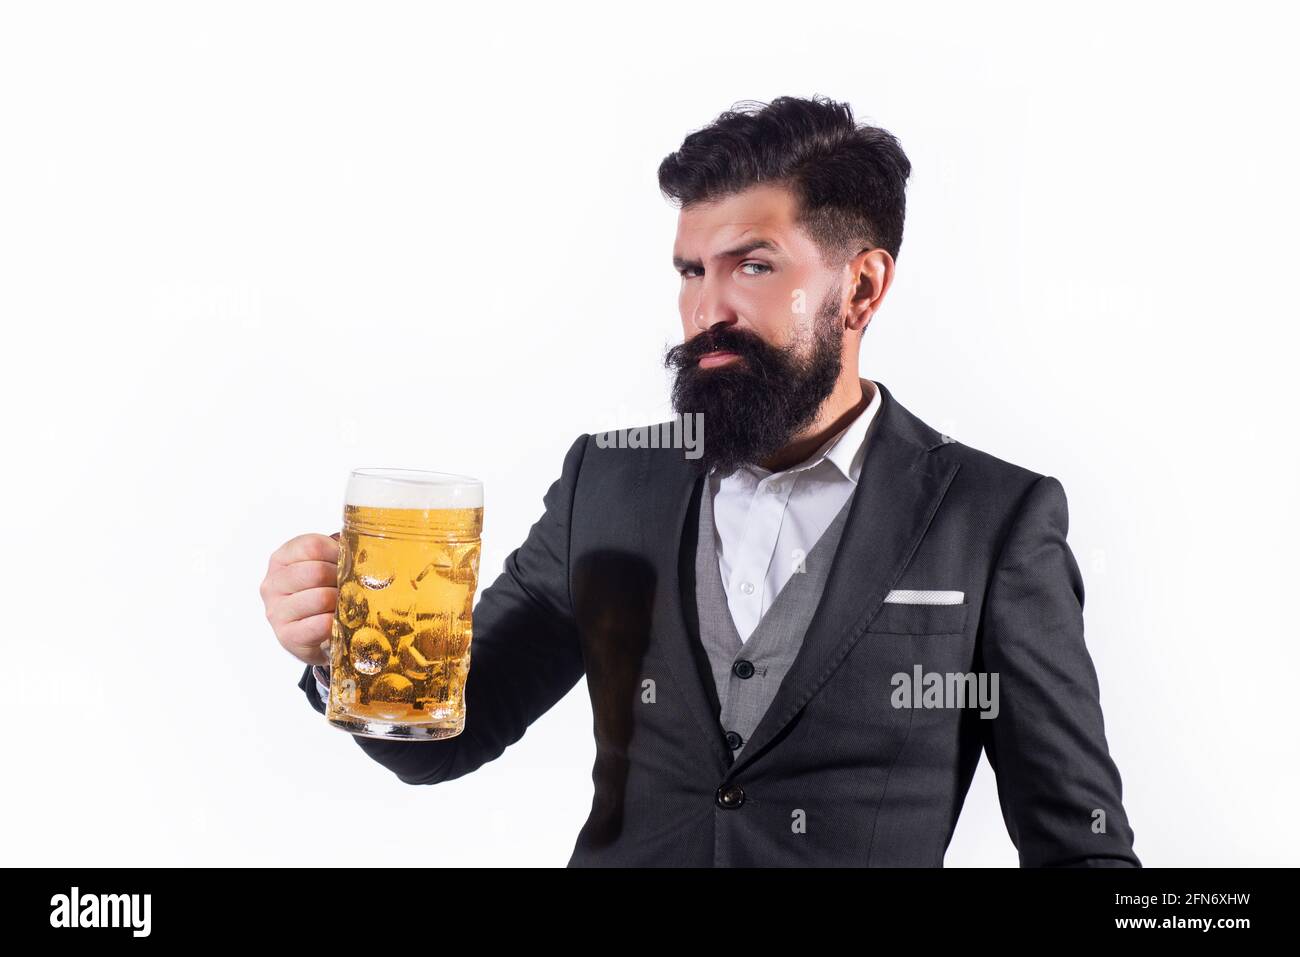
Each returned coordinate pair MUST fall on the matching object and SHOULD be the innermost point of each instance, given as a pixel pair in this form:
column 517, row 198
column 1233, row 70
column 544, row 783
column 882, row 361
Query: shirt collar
column 844, row 449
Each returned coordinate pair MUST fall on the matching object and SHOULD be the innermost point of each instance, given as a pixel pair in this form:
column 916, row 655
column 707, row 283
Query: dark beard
column 754, row 406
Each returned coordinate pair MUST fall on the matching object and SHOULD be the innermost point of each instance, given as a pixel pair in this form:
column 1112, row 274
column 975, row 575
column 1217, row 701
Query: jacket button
column 734, row 740
column 743, row 668
column 731, row 797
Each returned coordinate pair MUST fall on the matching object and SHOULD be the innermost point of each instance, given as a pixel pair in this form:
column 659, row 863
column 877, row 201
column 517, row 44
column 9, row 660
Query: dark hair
column 849, row 179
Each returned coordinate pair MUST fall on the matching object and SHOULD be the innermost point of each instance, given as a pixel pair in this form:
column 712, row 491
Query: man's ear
column 858, row 318
column 870, row 274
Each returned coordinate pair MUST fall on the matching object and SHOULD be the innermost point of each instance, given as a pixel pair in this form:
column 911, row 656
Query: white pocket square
column 898, row 597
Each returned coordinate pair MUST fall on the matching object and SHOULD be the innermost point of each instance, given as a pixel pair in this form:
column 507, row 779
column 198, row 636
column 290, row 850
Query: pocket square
column 914, row 597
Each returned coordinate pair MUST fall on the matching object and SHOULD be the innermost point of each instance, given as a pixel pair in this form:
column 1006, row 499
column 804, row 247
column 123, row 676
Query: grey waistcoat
column 747, row 673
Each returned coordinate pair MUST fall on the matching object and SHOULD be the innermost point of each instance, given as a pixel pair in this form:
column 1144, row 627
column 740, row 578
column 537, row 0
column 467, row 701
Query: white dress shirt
column 767, row 522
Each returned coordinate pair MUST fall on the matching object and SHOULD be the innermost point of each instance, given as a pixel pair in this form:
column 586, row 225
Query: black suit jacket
column 834, row 774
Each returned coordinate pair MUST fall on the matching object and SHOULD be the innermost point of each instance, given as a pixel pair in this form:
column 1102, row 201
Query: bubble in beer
column 394, row 624
column 394, row 608
column 391, row 689
column 438, row 567
column 374, row 568
column 465, row 569
column 436, row 590
column 413, row 662
column 340, row 635
column 400, row 595
column 432, row 642
column 353, row 607
column 347, row 544
column 431, row 583
column 459, row 668
column 370, row 651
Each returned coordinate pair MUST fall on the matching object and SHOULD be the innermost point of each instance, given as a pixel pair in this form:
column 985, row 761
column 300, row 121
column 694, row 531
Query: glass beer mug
column 408, row 569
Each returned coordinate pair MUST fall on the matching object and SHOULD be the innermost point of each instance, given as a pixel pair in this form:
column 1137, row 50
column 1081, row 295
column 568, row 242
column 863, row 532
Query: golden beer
column 407, row 573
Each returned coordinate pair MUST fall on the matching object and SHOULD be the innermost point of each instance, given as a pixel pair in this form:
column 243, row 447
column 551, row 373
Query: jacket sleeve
column 524, row 657
column 1059, row 789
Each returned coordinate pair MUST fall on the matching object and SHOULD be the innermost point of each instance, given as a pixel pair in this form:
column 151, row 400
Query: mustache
column 744, row 344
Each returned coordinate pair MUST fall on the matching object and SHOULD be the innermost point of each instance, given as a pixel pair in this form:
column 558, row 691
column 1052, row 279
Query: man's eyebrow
column 742, row 250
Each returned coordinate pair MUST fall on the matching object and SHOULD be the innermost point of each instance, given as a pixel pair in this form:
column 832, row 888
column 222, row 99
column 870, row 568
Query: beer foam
column 411, row 488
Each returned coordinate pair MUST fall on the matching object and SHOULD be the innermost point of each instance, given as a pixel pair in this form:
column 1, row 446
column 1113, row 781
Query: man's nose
column 710, row 311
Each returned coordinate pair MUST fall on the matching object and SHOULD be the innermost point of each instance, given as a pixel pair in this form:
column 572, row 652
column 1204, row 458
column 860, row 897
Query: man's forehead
column 730, row 232
column 757, row 208
column 708, row 228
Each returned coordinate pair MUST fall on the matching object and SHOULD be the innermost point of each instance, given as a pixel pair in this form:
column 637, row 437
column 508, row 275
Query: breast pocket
column 895, row 618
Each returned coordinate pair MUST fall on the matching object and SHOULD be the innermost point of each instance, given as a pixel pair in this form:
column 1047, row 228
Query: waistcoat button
column 743, row 668
column 734, row 740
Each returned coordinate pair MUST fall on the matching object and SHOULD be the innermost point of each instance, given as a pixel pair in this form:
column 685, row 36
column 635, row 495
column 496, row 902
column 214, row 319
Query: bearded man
column 799, row 638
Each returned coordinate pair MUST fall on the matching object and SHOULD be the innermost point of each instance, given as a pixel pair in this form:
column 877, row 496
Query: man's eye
column 690, row 271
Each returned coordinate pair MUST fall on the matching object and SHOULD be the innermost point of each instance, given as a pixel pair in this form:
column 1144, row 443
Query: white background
column 245, row 248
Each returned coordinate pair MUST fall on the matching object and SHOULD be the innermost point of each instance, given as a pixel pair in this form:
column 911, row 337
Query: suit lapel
column 898, row 492
column 670, row 489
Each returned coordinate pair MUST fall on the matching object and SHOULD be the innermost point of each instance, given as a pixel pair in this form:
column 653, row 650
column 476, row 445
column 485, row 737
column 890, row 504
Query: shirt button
column 747, row 588
column 743, row 669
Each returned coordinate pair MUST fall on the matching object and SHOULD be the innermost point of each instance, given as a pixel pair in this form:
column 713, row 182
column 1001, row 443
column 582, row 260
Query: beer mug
column 408, row 569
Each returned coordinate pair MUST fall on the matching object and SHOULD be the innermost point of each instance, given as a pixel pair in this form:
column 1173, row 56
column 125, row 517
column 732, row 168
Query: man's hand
column 300, row 591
